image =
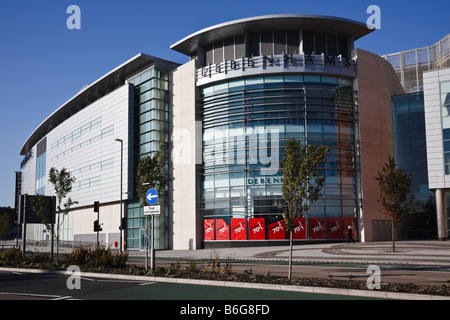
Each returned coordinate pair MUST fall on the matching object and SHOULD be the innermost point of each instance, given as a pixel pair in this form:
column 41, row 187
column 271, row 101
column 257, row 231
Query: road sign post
column 152, row 210
column 152, row 198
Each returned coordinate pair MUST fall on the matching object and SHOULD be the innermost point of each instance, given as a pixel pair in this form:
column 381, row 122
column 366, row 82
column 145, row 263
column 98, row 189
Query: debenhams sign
column 282, row 63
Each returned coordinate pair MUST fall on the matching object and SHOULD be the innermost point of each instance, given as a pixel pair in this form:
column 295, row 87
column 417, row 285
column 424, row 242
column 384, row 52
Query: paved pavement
column 425, row 253
column 419, row 262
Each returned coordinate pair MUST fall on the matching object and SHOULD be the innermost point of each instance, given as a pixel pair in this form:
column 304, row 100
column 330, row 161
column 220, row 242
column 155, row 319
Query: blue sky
column 43, row 63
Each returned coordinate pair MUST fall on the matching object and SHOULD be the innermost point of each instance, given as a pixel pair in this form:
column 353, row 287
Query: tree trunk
column 290, row 255
column 393, row 236
column 57, row 240
column 52, row 242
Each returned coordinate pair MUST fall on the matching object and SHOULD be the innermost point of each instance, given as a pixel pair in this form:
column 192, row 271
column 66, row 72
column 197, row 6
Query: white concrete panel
column 91, row 151
column 433, row 124
column 185, row 232
column 434, row 143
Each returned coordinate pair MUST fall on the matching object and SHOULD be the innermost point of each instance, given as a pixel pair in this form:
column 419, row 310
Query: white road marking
column 63, row 298
column 30, row 294
column 146, row 283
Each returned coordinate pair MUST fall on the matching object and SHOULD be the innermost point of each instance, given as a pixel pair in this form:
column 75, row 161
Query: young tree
column 396, row 199
column 302, row 182
column 41, row 207
column 7, row 215
column 62, row 184
column 152, row 173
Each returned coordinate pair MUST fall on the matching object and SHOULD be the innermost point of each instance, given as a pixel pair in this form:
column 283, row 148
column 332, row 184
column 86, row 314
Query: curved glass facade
column 245, row 125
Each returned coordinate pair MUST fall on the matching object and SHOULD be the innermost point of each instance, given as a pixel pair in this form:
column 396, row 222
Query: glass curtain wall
column 41, row 160
column 408, row 115
column 245, row 125
column 151, row 110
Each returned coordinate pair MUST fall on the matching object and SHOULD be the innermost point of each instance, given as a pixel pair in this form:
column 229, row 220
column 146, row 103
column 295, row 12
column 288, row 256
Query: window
column 254, row 44
column 108, row 131
column 320, row 41
column 239, row 43
column 218, row 52
column 229, row 49
column 292, row 42
column 107, row 164
column 308, row 42
column 74, row 136
column 279, row 42
column 445, row 101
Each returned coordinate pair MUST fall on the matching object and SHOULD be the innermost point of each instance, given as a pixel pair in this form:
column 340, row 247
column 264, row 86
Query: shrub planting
column 88, row 257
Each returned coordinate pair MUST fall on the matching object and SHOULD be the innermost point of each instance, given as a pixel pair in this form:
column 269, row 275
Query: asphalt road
column 26, row 286
column 140, row 298
column 423, row 263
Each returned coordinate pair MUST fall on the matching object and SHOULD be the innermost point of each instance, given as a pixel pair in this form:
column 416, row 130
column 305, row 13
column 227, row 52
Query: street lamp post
column 121, row 192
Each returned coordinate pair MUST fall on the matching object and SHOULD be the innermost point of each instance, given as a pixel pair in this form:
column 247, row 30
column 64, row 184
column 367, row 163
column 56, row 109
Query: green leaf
column 302, row 182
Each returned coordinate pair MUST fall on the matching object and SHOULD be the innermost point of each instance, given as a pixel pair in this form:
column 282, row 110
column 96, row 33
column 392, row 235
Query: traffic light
column 97, row 226
column 123, row 223
column 96, row 206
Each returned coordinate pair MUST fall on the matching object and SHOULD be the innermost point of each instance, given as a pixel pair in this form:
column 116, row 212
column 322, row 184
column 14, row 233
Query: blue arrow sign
column 152, row 196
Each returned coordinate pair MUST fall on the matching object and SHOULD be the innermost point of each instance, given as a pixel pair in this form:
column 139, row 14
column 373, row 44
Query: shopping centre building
column 248, row 86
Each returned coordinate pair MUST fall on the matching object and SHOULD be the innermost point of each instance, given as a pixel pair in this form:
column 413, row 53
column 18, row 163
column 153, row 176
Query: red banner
column 238, row 229
column 316, row 228
column 334, row 228
column 256, row 229
column 277, row 230
column 208, row 229
column 299, row 231
column 222, row 230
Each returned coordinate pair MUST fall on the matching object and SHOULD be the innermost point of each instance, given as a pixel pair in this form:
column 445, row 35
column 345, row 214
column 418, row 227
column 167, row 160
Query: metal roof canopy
column 335, row 25
column 106, row 84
